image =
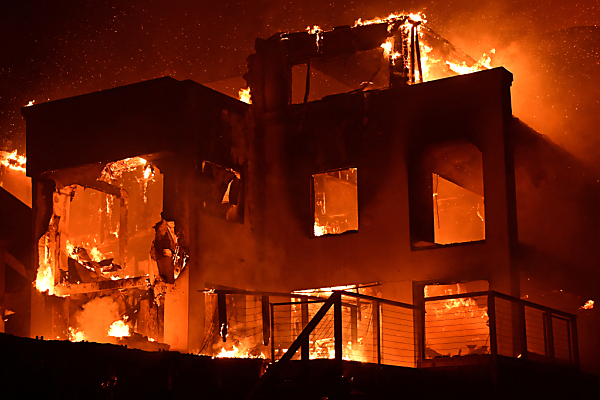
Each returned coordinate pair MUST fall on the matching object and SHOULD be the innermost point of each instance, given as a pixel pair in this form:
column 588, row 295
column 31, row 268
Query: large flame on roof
column 418, row 21
column 393, row 17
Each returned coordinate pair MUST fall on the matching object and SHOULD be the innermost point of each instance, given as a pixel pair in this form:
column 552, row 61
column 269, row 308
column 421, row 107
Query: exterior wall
column 380, row 133
column 179, row 125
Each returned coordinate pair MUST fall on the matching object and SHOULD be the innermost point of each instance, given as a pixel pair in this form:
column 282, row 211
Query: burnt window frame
column 421, row 199
column 208, row 181
column 313, row 205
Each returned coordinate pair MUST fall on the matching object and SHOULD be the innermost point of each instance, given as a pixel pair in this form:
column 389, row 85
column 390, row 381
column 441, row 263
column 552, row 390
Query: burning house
column 167, row 214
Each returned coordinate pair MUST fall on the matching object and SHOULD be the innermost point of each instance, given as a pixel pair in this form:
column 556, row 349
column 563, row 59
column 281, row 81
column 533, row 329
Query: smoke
column 52, row 50
column 95, row 318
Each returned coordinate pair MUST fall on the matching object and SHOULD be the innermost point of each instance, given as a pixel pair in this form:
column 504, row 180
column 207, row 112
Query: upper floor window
column 458, row 213
column 446, row 195
column 335, row 201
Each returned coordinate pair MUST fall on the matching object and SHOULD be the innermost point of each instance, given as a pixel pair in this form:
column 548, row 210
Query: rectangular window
column 335, row 202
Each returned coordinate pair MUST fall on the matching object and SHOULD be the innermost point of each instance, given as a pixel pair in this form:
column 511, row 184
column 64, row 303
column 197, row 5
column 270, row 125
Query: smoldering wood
column 148, row 321
column 163, row 248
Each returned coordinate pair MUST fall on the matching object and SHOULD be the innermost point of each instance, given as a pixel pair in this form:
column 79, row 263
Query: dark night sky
column 51, row 49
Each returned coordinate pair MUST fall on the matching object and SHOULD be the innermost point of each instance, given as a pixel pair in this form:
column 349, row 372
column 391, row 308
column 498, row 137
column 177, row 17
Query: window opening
column 459, row 214
column 223, row 195
column 335, row 202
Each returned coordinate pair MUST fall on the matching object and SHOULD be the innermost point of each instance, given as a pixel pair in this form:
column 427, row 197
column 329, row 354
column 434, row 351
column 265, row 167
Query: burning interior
column 107, row 251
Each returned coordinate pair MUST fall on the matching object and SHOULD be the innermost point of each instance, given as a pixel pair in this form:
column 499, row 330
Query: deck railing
column 497, row 324
column 351, row 326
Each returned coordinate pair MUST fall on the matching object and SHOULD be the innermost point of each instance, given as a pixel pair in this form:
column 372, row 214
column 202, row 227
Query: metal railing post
column 574, row 343
column 354, row 322
column 222, row 305
column 492, row 324
column 305, row 349
column 377, row 320
column 522, row 326
column 272, row 334
column 266, row 320
column 549, row 335
column 418, row 337
column 337, row 327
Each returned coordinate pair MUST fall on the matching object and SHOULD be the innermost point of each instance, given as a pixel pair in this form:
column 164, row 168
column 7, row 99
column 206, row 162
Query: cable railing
column 356, row 327
column 364, row 328
column 494, row 323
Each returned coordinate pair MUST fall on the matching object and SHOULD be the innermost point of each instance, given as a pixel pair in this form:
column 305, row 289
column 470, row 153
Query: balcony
column 448, row 330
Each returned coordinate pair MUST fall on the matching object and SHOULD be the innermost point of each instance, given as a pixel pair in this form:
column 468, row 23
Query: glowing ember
column 148, row 172
column 233, row 351
column 245, row 96
column 115, row 170
column 75, row 335
column 13, row 160
column 588, row 305
column 319, row 230
column 119, row 329
column 313, row 29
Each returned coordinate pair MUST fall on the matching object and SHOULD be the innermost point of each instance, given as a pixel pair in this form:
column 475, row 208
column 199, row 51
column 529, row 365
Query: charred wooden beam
column 15, row 264
column 123, row 201
column 129, row 283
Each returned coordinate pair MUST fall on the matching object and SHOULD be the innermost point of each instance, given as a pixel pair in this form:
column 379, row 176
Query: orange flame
column 119, row 329
column 239, row 351
column 13, row 160
column 588, row 305
column 485, row 62
column 245, row 95
column 418, row 17
column 75, row 335
column 45, row 279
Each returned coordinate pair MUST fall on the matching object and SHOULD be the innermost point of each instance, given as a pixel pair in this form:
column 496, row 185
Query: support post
column 305, row 349
column 337, row 327
column 549, row 334
column 272, row 335
column 265, row 320
column 377, row 326
column 574, row 343
column 354, row 322
column 418, row 337
column 492, row 324
column 522, row 326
